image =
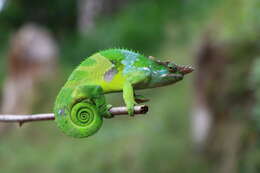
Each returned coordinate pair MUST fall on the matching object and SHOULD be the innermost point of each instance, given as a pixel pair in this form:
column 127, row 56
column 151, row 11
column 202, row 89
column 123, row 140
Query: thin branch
column 116, row 111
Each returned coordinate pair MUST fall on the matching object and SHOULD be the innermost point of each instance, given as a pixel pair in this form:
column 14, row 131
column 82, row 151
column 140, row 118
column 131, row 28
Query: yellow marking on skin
column 116, row 84
column 72, row 84
column 97, row 73
column 102, row 64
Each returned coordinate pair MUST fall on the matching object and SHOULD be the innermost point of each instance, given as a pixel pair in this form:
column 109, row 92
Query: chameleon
column 80, row 106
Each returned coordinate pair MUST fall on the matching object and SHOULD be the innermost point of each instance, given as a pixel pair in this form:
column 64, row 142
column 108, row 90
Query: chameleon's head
column 167, row 73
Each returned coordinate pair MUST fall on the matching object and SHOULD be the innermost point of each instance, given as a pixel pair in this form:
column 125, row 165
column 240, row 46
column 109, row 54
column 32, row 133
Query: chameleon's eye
column 172, row 69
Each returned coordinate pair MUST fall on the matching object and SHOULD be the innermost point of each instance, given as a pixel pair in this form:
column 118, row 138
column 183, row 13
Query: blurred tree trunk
column 224, row 94
column 90, row 10
column 31, row 59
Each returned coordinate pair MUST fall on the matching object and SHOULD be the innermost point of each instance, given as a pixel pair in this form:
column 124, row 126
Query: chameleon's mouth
column 173, row 77
column 185, row 69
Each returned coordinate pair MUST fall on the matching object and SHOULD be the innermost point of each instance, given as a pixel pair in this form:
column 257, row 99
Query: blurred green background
column 160, row 141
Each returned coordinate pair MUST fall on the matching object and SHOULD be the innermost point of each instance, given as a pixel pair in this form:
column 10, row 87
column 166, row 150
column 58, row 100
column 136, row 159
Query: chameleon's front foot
column 130, row 109
column 132, row 102
column 107, row 113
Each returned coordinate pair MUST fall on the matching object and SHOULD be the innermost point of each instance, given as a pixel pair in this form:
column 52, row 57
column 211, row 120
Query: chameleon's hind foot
column 130, row 109
column 107, row 113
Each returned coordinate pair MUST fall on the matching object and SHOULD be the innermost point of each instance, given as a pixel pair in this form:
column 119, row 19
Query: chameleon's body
column 81, row 106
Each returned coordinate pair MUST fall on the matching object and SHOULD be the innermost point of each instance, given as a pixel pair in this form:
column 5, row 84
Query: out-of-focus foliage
column 140, row 25
column 157, row 142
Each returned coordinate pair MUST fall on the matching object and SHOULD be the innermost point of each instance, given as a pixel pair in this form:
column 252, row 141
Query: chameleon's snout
column 185, row 69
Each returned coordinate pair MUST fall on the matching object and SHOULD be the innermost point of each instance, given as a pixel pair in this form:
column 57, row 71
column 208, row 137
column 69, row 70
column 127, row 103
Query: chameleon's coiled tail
column 81, row 120
column 85, row 119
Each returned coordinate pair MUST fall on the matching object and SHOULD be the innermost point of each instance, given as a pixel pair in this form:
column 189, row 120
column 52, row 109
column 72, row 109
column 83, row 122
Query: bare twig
column 116, row 111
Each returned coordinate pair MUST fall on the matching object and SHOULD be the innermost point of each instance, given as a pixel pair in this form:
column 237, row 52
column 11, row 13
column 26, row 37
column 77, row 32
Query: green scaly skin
column 81, row 106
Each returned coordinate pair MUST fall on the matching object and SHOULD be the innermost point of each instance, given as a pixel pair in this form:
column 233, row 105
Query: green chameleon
column 81, row 106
